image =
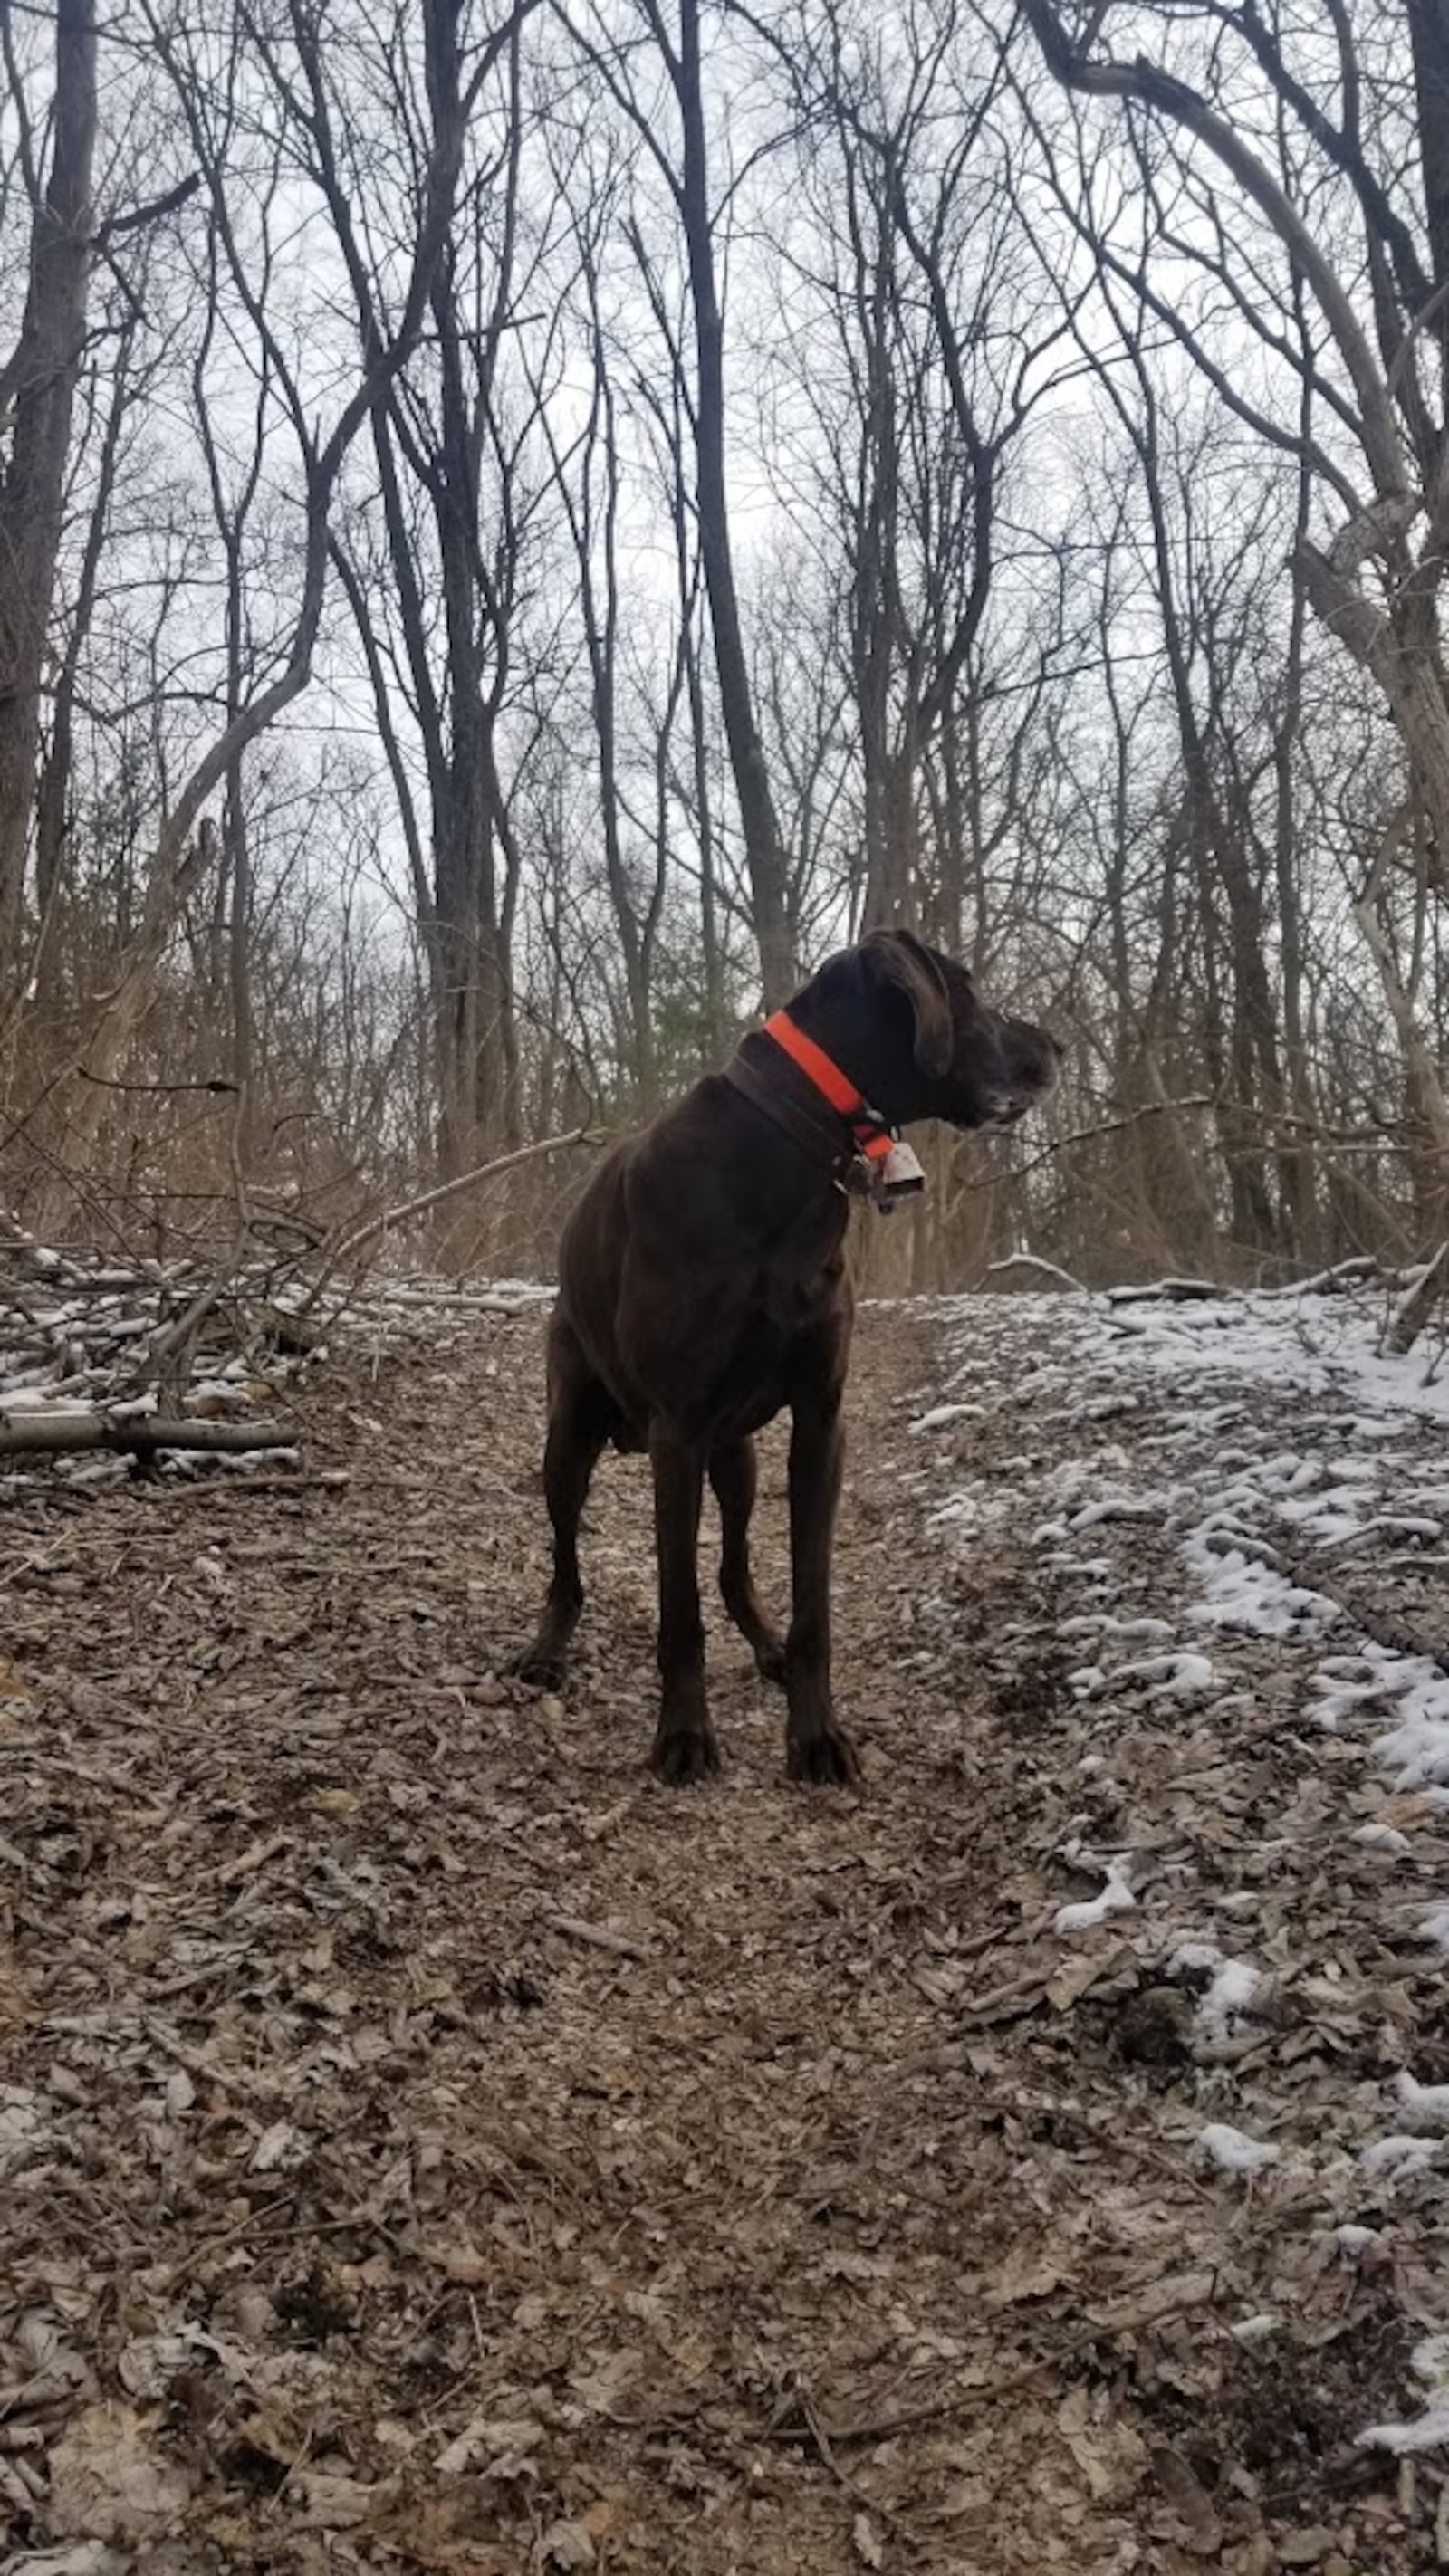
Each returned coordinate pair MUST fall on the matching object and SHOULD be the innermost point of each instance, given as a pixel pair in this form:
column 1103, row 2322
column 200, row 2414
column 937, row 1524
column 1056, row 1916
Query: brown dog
column 702, row 1286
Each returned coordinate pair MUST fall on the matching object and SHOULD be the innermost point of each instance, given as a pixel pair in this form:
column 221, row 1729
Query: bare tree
column 1376, row 581
column 210, row 109
column 685, row 168
column 454, row 504
column 38, row 382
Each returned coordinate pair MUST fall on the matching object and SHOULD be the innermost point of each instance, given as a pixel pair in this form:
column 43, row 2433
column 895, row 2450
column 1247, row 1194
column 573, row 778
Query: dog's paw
column 827, row 1760
column 683, row 1755
column 541, row 1668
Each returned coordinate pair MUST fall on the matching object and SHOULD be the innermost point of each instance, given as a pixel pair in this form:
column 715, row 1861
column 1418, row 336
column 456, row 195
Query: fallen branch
column 45, row 1434
column 1345, row 1275
column 326, row 1480
column 1414, row 1308
column 1172, row 1291
column 401, row 1300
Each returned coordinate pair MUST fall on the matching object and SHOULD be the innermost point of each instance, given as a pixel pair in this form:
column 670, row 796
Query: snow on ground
column 1238, row 1514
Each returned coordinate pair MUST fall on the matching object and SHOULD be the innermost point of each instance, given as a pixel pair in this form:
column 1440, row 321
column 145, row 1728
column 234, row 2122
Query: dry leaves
column 425, row 2144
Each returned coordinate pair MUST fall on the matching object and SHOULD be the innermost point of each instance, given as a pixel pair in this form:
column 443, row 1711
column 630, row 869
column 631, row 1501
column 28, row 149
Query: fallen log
column 41, row 1433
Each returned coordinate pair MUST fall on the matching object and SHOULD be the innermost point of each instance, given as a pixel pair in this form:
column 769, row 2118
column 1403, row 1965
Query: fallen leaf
column 1077, row 1976
column 464, row 2264
column 493, row 2438
column 601, row 2389
column 566, row 2545
column 1188, row 2498
column 108, row 2483
column 336, row 2503
column 281, row 2144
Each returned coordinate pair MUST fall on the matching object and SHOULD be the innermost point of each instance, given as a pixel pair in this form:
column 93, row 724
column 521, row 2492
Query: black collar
column 848, row 1145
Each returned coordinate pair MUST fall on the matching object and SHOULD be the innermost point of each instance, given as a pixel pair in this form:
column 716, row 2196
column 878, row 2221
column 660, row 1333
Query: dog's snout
column 1034, row 1056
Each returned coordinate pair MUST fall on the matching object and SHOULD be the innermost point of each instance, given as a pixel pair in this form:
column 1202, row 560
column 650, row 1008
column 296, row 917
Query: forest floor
column 427, row 2144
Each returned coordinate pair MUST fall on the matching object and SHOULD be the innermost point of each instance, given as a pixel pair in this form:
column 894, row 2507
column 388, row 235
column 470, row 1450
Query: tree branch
column 1148, row 85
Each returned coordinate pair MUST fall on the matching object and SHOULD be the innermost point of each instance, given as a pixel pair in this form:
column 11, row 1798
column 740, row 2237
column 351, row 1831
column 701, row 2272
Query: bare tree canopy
column 524, row 528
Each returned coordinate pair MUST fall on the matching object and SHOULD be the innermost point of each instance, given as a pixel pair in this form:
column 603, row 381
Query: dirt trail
column 425, row 2143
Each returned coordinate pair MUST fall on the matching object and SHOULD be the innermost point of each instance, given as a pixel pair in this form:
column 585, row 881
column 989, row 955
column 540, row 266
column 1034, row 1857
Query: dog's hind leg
column 578, row 1425
column 732, row 1474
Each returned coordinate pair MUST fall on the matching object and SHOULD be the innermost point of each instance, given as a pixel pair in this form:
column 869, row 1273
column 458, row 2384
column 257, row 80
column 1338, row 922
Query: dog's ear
column 901, row 959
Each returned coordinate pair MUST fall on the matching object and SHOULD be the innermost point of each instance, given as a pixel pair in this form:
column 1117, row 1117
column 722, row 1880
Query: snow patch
column 1429, row 2362
column 1233, row 1991
column 941, row 1414
column 1240, row 1591
column 1427, row 2103
column 1396, row 2159
column 1180, row 1675
column 1418, row 1747
column 1115, row 1898
column 1385, row 1838
column 1232, row 2150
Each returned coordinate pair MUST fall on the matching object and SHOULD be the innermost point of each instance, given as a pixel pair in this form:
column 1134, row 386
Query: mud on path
column 427, row 2144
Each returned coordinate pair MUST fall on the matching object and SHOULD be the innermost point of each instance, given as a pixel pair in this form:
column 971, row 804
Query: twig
column 327, row 1480
column 1083, row 1135
column 249, row 2082
column 426, row 1199
column 168, row 1344
column 377, row 1226
column 211, row 2245
column 1031, row 1261
column 113, row 1082
column 859, row 2495
column 1197, row 2290
column 593, row 1936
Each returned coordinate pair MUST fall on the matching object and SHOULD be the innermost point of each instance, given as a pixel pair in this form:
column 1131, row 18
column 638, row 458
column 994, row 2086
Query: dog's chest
column 793, row 1300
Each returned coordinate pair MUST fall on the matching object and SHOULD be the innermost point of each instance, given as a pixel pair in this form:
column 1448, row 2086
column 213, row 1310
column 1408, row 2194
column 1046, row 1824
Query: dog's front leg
column 684, row 1746
column 815, row 1747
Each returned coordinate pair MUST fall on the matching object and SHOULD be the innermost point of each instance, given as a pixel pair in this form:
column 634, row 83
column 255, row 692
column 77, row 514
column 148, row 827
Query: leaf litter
column 427, row 2144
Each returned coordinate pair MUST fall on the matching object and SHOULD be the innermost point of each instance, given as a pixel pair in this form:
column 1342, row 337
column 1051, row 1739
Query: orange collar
column 873, row 1137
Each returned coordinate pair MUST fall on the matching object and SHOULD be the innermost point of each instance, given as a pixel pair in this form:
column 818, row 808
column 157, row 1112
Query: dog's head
column 949, row 1055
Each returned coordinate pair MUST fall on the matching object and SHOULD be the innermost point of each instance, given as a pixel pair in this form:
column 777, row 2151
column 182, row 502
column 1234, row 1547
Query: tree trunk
column 46, row 367
column 1423, row 1086
column 1296, row 1181
column 764, row 855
